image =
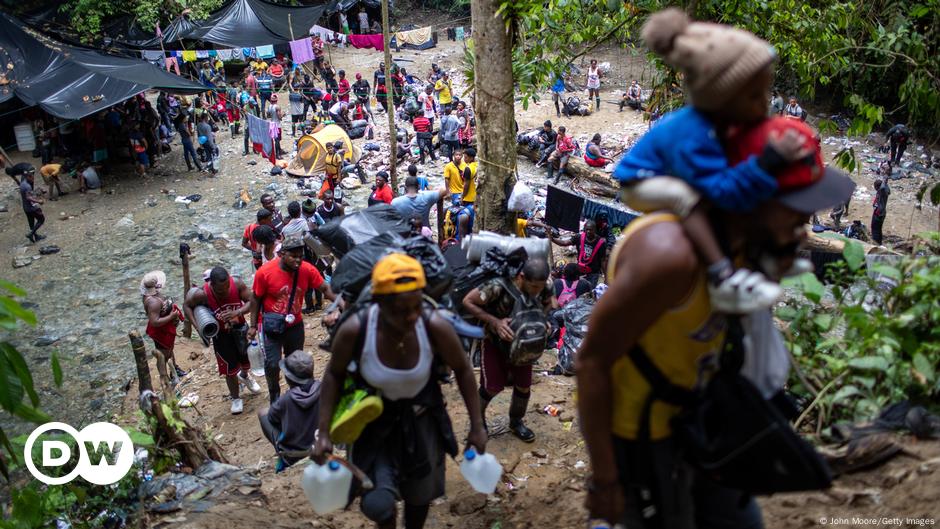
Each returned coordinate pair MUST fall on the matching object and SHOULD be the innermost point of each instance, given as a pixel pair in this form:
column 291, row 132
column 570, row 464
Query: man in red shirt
column 344, row 87
column 564, row 146
column 279, row 288
column 227, row 297
column 423, row 131
column 265, row 217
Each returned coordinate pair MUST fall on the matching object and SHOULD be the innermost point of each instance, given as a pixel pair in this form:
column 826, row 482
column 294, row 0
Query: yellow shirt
column 444, row 96
column 258, row 65
column 520, row 227
column 453, row 177
column 471, row 195
column 678, row 343
column 50, row 169
column 333, row 162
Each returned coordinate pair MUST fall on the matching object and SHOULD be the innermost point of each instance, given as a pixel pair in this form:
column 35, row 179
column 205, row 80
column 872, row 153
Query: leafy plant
column 18, row 394
column 871, row 338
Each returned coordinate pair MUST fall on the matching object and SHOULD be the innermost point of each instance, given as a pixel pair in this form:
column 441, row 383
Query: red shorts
column 599, row 162
column 496, row 373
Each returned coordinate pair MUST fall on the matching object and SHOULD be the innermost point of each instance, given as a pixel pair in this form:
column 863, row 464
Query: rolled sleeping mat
column 477, row 244
column 206, row 324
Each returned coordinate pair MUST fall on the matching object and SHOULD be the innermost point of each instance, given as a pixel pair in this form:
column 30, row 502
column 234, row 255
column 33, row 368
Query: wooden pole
column 390, row 101
column 187, row 284
column 144, row 383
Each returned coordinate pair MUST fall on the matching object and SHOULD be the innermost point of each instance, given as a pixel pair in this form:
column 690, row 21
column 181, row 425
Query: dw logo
column 106, row 453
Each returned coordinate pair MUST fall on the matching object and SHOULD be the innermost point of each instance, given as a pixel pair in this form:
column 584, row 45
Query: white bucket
column 25, row 141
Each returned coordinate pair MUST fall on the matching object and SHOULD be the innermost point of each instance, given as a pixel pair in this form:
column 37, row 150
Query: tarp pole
column 392, row 133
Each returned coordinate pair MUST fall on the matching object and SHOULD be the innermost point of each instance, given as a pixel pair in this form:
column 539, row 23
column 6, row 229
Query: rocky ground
column 86, row 299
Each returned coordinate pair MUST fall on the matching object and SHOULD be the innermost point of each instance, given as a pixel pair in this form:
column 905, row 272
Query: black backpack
column 731, row 432
column 529, row 326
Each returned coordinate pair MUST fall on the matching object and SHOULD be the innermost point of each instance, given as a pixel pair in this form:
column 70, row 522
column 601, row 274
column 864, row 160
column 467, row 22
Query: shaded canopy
column 245, row 23
column 71, row 82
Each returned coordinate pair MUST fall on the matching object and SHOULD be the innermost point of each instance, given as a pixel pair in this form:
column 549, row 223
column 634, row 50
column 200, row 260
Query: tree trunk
column 494, row 109
column 584, row 178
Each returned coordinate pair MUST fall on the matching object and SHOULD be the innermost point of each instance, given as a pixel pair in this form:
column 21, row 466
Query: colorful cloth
column 301, row 51
column 248, row 52
column 202, row 54
column 458, row 32
column 265, row 52
column 189, row 55
column 259, row 134
column 367, row 41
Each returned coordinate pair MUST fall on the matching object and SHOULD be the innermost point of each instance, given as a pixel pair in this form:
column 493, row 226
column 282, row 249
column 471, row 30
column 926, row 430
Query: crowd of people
column 724, row 213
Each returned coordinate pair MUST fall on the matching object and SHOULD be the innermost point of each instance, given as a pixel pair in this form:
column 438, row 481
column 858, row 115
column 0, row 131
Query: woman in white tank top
column 390, row 346
column 594, row 84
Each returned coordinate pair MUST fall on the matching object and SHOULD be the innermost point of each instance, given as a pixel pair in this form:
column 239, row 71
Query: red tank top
column 232, row 302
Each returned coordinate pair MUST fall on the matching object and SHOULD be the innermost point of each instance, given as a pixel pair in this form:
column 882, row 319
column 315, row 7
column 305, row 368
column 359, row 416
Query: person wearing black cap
column 278, row 291
column 290, row 423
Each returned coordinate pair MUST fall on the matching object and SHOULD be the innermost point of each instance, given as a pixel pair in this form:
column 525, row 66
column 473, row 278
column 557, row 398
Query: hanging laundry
column 416, row 37
column 152, row 55
column 248, row 52
column 458, row 33
column 265, row 52
column 202, row 54
column 259, row 132
column 563, row 209
column 301, row 51
column 213, row 53
column 367, row 41
column 189, row 55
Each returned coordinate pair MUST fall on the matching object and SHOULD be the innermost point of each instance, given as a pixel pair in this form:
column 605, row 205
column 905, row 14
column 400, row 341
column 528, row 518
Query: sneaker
column 39, row 237
column 237, row 406
column 519, row 429
column 250, row 384
column 356, row 409
column 179, row 372
column 744, row 292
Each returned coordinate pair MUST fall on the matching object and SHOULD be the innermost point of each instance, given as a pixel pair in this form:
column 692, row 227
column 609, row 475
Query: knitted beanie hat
column 716, row 60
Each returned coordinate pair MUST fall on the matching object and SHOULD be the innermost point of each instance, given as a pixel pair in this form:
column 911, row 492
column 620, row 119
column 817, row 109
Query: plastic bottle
column 256, row 358
column 481, row 471
column 326, row 486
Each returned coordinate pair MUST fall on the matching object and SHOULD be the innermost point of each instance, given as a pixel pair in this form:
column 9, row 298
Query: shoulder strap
column 661, row 388
column 293, row 289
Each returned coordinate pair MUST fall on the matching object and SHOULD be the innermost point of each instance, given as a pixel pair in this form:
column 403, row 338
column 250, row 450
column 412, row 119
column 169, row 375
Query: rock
column 3, row 208
column 43, row 341
column 22, row 260
column 539, row 453
column 125, row 222
column 151, row 201
column 351, row 182
column 468, row 504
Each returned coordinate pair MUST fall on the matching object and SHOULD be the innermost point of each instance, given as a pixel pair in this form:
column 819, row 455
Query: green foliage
column 88, row 16
column 872, row 339
column 81, row 505
column 16, row 381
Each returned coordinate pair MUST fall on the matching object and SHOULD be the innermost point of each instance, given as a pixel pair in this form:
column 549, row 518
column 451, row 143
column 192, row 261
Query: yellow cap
column 397, row 273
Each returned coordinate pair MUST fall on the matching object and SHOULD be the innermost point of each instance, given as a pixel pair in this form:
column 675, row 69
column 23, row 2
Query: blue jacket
column 685, row 144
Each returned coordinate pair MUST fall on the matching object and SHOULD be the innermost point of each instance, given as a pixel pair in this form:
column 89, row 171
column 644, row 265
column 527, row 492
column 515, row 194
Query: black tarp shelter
column 71, row 82
column 245, row 23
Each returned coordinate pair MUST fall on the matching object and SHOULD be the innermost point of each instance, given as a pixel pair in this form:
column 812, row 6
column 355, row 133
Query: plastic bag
column 354, row 270
column 343, row 233
column 436, row 270
column 521, row 199
column 574, row 316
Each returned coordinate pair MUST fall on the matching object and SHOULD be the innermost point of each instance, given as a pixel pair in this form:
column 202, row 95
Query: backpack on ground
column 529, row 326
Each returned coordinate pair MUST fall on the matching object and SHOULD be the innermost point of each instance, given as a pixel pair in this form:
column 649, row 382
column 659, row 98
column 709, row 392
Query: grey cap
column 292, row 243
column 298, row 367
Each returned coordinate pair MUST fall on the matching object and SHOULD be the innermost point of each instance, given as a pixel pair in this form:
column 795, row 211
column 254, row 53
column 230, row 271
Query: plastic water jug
column 327, row 486
column 256, row 358
column 481, row 471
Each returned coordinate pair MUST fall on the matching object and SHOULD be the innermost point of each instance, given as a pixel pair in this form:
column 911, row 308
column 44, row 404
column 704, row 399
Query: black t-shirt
column 548, row 137
column 361, row 88
column 592, row 261
column 331, row 214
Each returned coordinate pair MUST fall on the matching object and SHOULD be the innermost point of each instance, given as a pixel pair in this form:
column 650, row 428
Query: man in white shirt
column 428, row 104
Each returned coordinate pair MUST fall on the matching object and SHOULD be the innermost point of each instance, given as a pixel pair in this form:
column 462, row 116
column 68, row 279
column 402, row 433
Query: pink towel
column 301, row 51
column 367, row 41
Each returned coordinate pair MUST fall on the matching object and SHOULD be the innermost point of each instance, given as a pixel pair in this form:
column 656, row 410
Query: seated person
column 290, row 423
column 88, row 178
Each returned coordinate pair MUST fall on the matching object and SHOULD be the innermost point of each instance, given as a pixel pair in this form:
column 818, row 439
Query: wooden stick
column 187, row 284
column 390, row 100
column 144, row 381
